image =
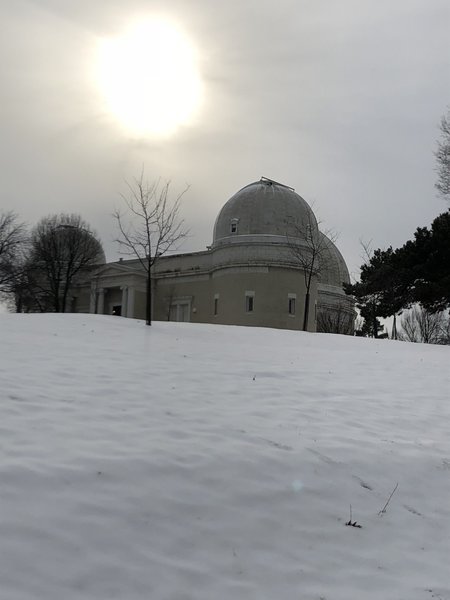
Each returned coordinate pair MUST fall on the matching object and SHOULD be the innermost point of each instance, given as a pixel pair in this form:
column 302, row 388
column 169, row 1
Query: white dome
column 263, row 208
column 333, row 270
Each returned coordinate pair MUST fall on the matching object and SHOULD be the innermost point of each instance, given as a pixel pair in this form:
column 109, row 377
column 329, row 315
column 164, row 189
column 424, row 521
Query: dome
column 263, row 208
column 333, row 270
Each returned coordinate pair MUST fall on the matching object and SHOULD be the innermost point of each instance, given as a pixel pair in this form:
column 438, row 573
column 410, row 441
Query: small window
column 234, row 225
column 292, row 301
column 249, row 301
column 216, row 304
column 292, row 306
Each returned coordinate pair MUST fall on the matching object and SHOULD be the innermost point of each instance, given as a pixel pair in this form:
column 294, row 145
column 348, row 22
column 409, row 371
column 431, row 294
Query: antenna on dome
column 268, row 181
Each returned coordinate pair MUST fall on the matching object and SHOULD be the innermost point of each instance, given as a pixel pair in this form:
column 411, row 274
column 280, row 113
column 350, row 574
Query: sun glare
column 149, row 78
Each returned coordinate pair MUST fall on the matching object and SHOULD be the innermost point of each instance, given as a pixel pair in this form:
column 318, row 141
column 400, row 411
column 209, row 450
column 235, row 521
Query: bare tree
column 13, row 237
column 421, row 326
column 29, row 294
column 336, row 320
column 308, row 249
column 151, row 228
column 61, row 247
column 444, row 337
column 443, row 158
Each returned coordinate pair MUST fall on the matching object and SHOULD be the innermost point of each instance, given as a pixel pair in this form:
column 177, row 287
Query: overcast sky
column 340, row 100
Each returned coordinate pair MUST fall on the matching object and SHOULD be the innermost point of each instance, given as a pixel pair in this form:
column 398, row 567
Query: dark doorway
column 117, row 310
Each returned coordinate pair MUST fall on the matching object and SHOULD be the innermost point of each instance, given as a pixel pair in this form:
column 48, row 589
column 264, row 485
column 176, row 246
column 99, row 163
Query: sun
column 149, row 78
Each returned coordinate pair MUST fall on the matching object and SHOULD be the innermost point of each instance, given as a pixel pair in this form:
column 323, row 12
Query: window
column 292, row 298
column 180, row 309
column 249, row 301
column 234, row 225
column 216, row 304
column 292, row 306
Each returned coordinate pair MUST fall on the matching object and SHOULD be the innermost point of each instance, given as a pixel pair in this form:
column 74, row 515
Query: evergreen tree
column 418, row 272
column 427, row 259
column 382, row 291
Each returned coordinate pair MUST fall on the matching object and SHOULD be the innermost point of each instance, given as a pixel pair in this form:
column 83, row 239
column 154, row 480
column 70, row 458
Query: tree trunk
column 394, row 328
column 148, row 315
column 374, row 325
column 64, row 300
column 306, row 312
column 55, row 292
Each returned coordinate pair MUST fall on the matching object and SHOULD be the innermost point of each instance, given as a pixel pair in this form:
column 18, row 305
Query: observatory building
column 268, row 266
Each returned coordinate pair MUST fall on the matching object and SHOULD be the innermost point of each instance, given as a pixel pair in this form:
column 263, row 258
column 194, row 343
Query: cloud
column 339, row 100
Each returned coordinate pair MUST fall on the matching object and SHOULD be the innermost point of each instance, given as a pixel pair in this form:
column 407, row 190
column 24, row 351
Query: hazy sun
column 149, row 78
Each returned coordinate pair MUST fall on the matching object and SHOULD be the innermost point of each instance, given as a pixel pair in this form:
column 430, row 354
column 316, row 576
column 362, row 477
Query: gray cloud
column 339, row 100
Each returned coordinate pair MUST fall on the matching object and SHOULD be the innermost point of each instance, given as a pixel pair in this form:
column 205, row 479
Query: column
column 93, row 298
column 101, row 301
column 130, row 305
column 124, row 289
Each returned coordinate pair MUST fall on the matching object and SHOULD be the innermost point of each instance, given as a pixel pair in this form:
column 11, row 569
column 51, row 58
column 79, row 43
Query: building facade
column 260, row 270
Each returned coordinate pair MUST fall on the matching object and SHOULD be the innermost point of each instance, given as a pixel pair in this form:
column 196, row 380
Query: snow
column 206, row 462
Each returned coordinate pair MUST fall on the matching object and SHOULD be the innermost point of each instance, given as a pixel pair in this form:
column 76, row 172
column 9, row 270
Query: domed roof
column 264, row 208
column 333, row 270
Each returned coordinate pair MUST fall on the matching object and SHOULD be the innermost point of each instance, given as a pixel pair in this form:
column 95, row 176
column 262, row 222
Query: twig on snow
column 383, row 510
column 351, row 523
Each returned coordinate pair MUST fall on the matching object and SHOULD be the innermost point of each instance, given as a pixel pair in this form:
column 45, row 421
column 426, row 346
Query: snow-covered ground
column 200, row 462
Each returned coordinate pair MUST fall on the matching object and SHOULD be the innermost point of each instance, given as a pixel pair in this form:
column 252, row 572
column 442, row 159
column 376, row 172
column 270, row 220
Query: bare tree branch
column 152, row 228
column 61, row 247
column 442, row 155
column 13, row 238
column 308, row 249
column 422, row 326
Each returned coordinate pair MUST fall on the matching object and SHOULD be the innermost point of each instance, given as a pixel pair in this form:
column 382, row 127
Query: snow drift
column 207, row 462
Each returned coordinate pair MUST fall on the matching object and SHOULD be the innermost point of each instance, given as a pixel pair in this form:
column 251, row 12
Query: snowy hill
column 184, row 462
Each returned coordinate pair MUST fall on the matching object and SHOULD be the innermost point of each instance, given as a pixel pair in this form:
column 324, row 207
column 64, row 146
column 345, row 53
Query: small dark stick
column 383, row 510
column 351, row 523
